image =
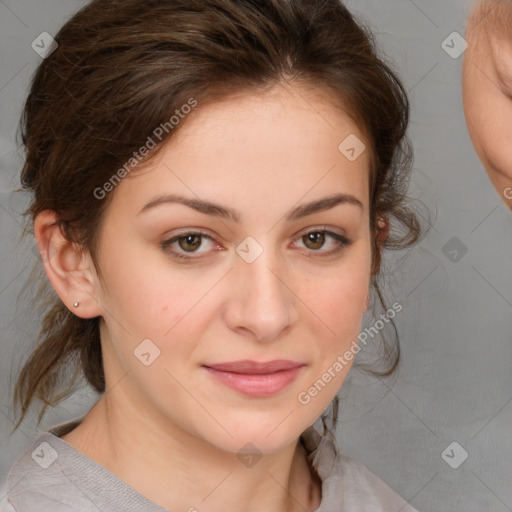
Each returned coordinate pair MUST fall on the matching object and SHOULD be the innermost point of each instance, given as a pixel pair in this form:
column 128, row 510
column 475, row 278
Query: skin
column 487, row 92
column 261, row 155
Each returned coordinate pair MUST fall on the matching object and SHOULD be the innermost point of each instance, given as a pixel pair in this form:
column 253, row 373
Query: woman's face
column 269, row 282
column 487, row 95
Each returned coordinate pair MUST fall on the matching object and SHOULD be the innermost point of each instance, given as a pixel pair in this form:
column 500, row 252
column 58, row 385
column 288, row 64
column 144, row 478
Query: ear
column 382, row 231
column 72, row 275
column 381, row 235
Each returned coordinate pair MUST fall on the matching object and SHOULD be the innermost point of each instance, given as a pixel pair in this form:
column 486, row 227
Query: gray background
column 454, row 383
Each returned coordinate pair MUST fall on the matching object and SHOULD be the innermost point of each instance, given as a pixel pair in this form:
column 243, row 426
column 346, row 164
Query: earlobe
column 382, row 231
column 70, row 273
column 381, row 235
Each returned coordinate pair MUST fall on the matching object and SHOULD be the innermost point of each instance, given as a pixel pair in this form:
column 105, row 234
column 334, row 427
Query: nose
column 262, row 302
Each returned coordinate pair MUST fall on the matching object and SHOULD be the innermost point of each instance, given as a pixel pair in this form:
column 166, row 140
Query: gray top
column 53, row 476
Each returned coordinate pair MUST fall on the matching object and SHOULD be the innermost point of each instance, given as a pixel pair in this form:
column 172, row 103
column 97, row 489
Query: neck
column 182, row 472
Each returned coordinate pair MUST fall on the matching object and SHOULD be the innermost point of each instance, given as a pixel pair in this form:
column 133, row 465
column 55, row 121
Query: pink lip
column 256, row 379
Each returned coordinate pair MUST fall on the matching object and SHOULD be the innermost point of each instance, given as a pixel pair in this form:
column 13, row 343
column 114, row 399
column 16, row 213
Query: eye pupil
column 317, row 239
column 189, row 240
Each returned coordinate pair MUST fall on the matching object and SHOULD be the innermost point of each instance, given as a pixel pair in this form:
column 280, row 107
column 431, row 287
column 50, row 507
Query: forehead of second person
column 260, row 154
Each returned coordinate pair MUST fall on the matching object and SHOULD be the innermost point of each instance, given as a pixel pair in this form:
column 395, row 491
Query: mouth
column 257, row 379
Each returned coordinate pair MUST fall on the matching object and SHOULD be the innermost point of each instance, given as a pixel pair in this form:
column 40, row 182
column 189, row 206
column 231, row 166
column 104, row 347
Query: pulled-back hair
column 123, row 68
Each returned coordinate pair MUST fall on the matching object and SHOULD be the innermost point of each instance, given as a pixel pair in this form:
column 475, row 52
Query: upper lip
column 253, row 367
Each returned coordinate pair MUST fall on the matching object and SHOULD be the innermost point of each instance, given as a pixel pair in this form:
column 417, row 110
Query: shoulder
column 361, row 486
column 346, row 483
column 37, row 481
column 5, row 506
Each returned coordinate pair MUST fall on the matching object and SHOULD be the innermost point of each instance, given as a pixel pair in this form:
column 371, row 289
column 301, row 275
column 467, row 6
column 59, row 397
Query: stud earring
column 76, row 304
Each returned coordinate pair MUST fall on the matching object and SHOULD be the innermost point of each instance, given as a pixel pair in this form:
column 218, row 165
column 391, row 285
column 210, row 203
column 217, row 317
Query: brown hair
column 123, row 67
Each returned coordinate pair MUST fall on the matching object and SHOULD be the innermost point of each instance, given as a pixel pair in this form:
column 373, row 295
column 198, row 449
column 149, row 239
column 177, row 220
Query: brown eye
column 314, row 240
column 190, row 242
column 323, row 243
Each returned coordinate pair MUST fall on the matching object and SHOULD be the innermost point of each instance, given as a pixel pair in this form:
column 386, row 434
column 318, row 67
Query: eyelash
column 342, row 240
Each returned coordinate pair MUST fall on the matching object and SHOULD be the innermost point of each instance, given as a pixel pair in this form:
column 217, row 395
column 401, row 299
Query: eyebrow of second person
column 217, row 210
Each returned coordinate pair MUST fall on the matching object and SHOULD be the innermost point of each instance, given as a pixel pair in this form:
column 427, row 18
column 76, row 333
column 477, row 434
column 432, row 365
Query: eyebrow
column 218, row 210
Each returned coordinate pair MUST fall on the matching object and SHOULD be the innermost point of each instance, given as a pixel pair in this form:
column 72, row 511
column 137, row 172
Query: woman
column 214, row 182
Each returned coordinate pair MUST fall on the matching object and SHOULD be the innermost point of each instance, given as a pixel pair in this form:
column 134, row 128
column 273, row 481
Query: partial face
column 487, row 94
column 273, row 281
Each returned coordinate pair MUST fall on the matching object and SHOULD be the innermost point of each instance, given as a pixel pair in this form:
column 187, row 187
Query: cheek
column 491, row 134
column 497, row 136
column 144, row 292
column 338, row 299
column 488, row 115
column 342, row 299
column 340, row 308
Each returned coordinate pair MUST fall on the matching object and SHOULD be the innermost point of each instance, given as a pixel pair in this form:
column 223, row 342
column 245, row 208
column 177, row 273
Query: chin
column 267, row 436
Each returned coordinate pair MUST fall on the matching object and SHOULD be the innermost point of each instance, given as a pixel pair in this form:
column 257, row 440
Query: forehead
column 284, row 144
column 318, row 108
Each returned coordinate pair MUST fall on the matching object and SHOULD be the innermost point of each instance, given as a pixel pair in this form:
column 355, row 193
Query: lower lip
column 256, row 385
